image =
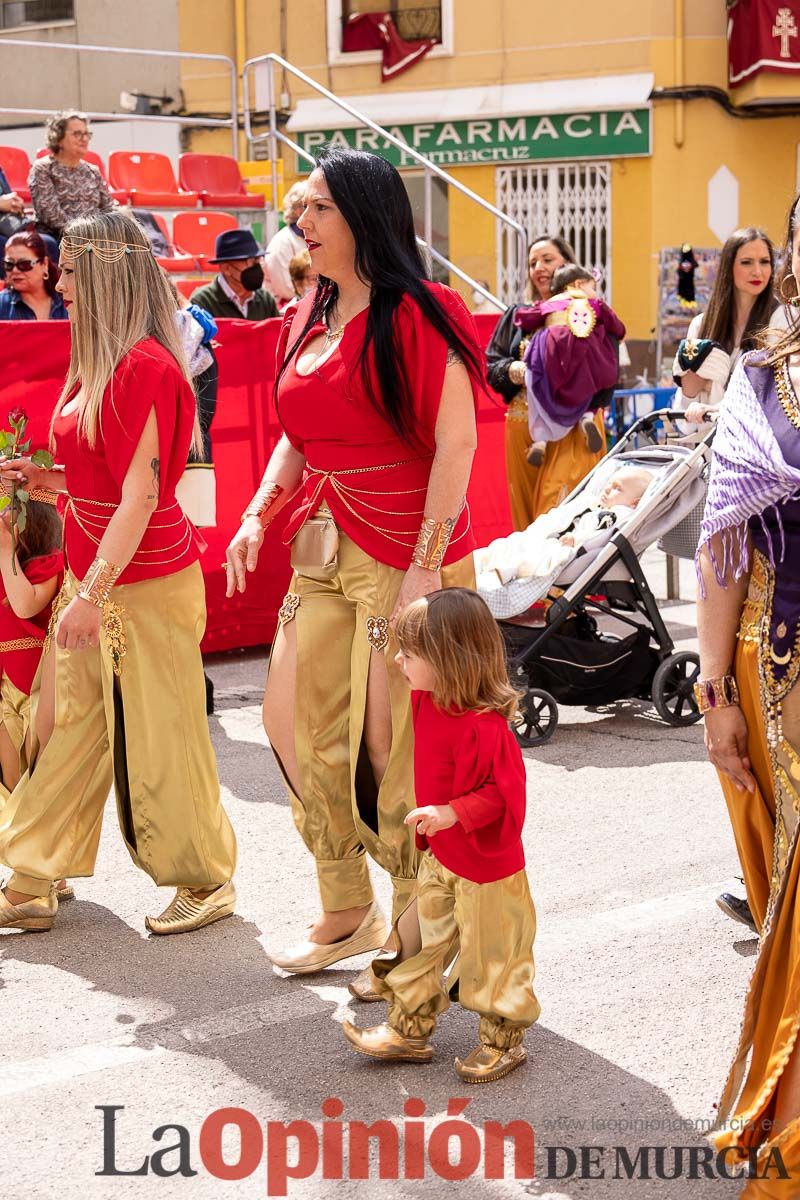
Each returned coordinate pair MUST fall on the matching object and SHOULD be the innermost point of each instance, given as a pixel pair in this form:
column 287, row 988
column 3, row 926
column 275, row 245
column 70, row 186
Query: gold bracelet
column 98, row 581
column 720, row 692
column 432, row 543
column 44, row 495
column 262, row 502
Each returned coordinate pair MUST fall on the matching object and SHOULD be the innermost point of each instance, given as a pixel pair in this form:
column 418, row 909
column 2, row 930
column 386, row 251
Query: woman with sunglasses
column 31, row 278
column 62, row 185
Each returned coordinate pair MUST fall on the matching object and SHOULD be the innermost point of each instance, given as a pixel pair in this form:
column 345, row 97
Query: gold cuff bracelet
column 434, row 537
column 98, row 581
column 720, row 692
column 262, row 502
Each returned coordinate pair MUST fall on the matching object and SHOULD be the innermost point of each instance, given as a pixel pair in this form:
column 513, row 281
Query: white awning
column 601, row 93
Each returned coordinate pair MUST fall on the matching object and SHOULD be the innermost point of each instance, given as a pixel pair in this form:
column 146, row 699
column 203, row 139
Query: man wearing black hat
column 237, row 290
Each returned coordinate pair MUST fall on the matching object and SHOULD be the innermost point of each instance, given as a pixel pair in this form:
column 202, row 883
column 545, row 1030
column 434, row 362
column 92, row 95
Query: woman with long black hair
column 377, row 375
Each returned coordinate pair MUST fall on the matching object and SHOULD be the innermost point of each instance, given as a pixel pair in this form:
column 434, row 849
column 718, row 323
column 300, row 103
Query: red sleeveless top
column 147, row 377
column 373, row 481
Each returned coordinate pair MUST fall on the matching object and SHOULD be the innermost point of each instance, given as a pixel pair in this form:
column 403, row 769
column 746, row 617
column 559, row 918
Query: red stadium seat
column 196, row 233
column 177, row 260
column 216, row 177
column 119, row 194
column 16, row 166
column 187, row 287
column 149, row 179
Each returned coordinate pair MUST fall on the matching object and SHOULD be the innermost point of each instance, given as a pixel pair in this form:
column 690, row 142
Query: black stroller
column 571, row 660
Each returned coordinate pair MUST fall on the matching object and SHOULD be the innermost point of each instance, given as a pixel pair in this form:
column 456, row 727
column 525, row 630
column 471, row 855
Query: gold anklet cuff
column 98, row 581
column 434, row 538
column 720, row 692
column 262, row 502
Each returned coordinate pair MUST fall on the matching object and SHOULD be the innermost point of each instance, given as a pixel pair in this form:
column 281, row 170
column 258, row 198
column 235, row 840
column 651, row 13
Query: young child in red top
column 26, row 600
column 472, row 888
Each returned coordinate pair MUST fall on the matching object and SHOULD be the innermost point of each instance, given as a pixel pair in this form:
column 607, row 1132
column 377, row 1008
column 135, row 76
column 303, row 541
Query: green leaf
column 24, row 447
column 5, row 501
column 22, row 496
column 21, row 521
column 42, row 458
column 3, row 439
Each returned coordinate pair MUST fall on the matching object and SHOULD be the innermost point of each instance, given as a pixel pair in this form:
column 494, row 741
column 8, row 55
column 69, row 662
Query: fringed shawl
column 749, row 473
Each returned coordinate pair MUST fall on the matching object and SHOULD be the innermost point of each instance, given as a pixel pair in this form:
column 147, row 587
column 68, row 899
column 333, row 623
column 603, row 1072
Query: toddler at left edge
column 469, row 778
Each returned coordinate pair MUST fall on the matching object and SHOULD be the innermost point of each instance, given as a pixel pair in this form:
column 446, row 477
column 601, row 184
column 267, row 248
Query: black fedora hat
column 235, row 243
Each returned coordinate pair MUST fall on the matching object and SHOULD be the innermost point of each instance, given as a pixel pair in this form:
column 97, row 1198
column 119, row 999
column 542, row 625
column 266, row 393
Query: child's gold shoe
column 488, row 1063
column 381, row 1041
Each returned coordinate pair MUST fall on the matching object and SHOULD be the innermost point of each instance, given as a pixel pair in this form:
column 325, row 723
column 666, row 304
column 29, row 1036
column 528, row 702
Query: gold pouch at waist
column 315, row 546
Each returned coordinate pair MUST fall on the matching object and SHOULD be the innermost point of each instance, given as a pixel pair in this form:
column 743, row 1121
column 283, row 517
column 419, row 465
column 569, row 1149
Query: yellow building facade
column 558, row 121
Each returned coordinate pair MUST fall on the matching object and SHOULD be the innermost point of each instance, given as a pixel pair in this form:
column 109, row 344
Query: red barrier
column 33, row 361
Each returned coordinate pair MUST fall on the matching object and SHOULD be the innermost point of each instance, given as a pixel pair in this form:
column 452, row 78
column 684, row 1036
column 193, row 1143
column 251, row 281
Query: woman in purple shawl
column 749, row 631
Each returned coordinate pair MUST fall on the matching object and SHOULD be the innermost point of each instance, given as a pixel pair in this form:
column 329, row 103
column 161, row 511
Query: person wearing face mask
column 238, row 289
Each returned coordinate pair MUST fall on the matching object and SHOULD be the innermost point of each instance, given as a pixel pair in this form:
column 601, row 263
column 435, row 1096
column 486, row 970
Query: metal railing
column 226, row 123
column 275, row 136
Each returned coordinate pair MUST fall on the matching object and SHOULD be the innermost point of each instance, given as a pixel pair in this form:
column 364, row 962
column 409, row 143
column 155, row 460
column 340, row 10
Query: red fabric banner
column 377, row 31
column 763, row 35
column 34, row 356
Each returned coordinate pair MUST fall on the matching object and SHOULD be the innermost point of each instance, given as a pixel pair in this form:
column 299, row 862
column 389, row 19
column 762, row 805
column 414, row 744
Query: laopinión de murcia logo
column 233, row 1145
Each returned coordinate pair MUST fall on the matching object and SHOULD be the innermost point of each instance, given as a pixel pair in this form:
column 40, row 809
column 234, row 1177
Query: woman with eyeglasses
column 31, row 278
column 62, row 185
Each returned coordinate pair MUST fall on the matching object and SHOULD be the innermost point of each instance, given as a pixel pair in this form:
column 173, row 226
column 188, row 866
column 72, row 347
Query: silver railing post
column 428, row 216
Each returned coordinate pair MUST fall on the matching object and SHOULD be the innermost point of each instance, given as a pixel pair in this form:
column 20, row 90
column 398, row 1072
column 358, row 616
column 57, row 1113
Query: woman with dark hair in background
column 534, row 490
column 741, row 303
column 378, row 369
column 31, row 278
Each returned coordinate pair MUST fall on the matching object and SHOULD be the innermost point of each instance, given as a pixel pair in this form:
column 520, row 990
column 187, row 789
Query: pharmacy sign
column 619, row 133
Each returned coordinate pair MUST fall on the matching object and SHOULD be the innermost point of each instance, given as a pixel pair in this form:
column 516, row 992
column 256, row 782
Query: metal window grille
column 34, row 12
column 570, row 199
column 412, row 23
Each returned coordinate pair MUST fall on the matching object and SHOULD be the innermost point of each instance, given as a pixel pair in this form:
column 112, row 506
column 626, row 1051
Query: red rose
column 17, row 415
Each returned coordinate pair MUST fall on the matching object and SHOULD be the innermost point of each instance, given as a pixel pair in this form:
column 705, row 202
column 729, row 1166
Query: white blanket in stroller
column 533, row 558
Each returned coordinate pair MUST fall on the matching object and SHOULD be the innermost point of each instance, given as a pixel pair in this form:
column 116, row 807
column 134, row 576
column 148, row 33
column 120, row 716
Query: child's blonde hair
column 454, row 632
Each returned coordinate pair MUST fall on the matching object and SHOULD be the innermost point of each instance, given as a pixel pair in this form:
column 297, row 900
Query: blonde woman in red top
column 378, row 370
column 121, row 692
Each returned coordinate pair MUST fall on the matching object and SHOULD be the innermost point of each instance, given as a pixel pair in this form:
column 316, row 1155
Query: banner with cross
column 763, row 35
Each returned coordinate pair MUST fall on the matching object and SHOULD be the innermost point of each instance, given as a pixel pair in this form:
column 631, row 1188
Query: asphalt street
column 640, row 976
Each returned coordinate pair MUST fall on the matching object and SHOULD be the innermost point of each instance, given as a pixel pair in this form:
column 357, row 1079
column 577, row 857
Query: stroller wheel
column 537, row 719
column 672, row 692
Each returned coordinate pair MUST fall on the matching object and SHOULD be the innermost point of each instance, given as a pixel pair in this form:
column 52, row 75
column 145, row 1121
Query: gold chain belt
column 184, row 541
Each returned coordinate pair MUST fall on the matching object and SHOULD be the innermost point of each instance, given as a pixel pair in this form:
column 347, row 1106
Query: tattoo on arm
column 155, row 466
column 452, row 357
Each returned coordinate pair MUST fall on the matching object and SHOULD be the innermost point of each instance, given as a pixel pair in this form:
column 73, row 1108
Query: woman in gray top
column 62, row 185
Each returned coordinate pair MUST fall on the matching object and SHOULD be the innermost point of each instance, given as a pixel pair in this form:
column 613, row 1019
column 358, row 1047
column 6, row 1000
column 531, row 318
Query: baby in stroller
column 556, row 537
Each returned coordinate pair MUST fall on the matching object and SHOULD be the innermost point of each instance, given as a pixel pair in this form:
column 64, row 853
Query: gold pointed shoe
column 363, row 987
column 37, row 914
column 308, row 957
column 488, row 1063
column 185, row 912
column 381, row 1041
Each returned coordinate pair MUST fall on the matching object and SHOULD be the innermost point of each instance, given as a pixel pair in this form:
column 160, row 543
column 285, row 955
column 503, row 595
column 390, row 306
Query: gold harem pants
column 147, row 730
column 15, row 716
column 496, row 925
column 340, row 622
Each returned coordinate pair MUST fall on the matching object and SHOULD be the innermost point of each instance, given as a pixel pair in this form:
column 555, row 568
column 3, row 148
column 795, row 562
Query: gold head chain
column 106, row 250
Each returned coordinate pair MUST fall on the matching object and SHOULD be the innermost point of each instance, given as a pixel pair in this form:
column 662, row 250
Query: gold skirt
column 495, row 924
column 534, row 490
column 766, row 829
column 340, row 622
column 144, row 728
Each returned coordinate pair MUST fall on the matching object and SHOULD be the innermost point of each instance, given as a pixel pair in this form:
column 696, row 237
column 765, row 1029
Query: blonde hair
column 295, row 195
column 119, row 303
column 456, row 635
